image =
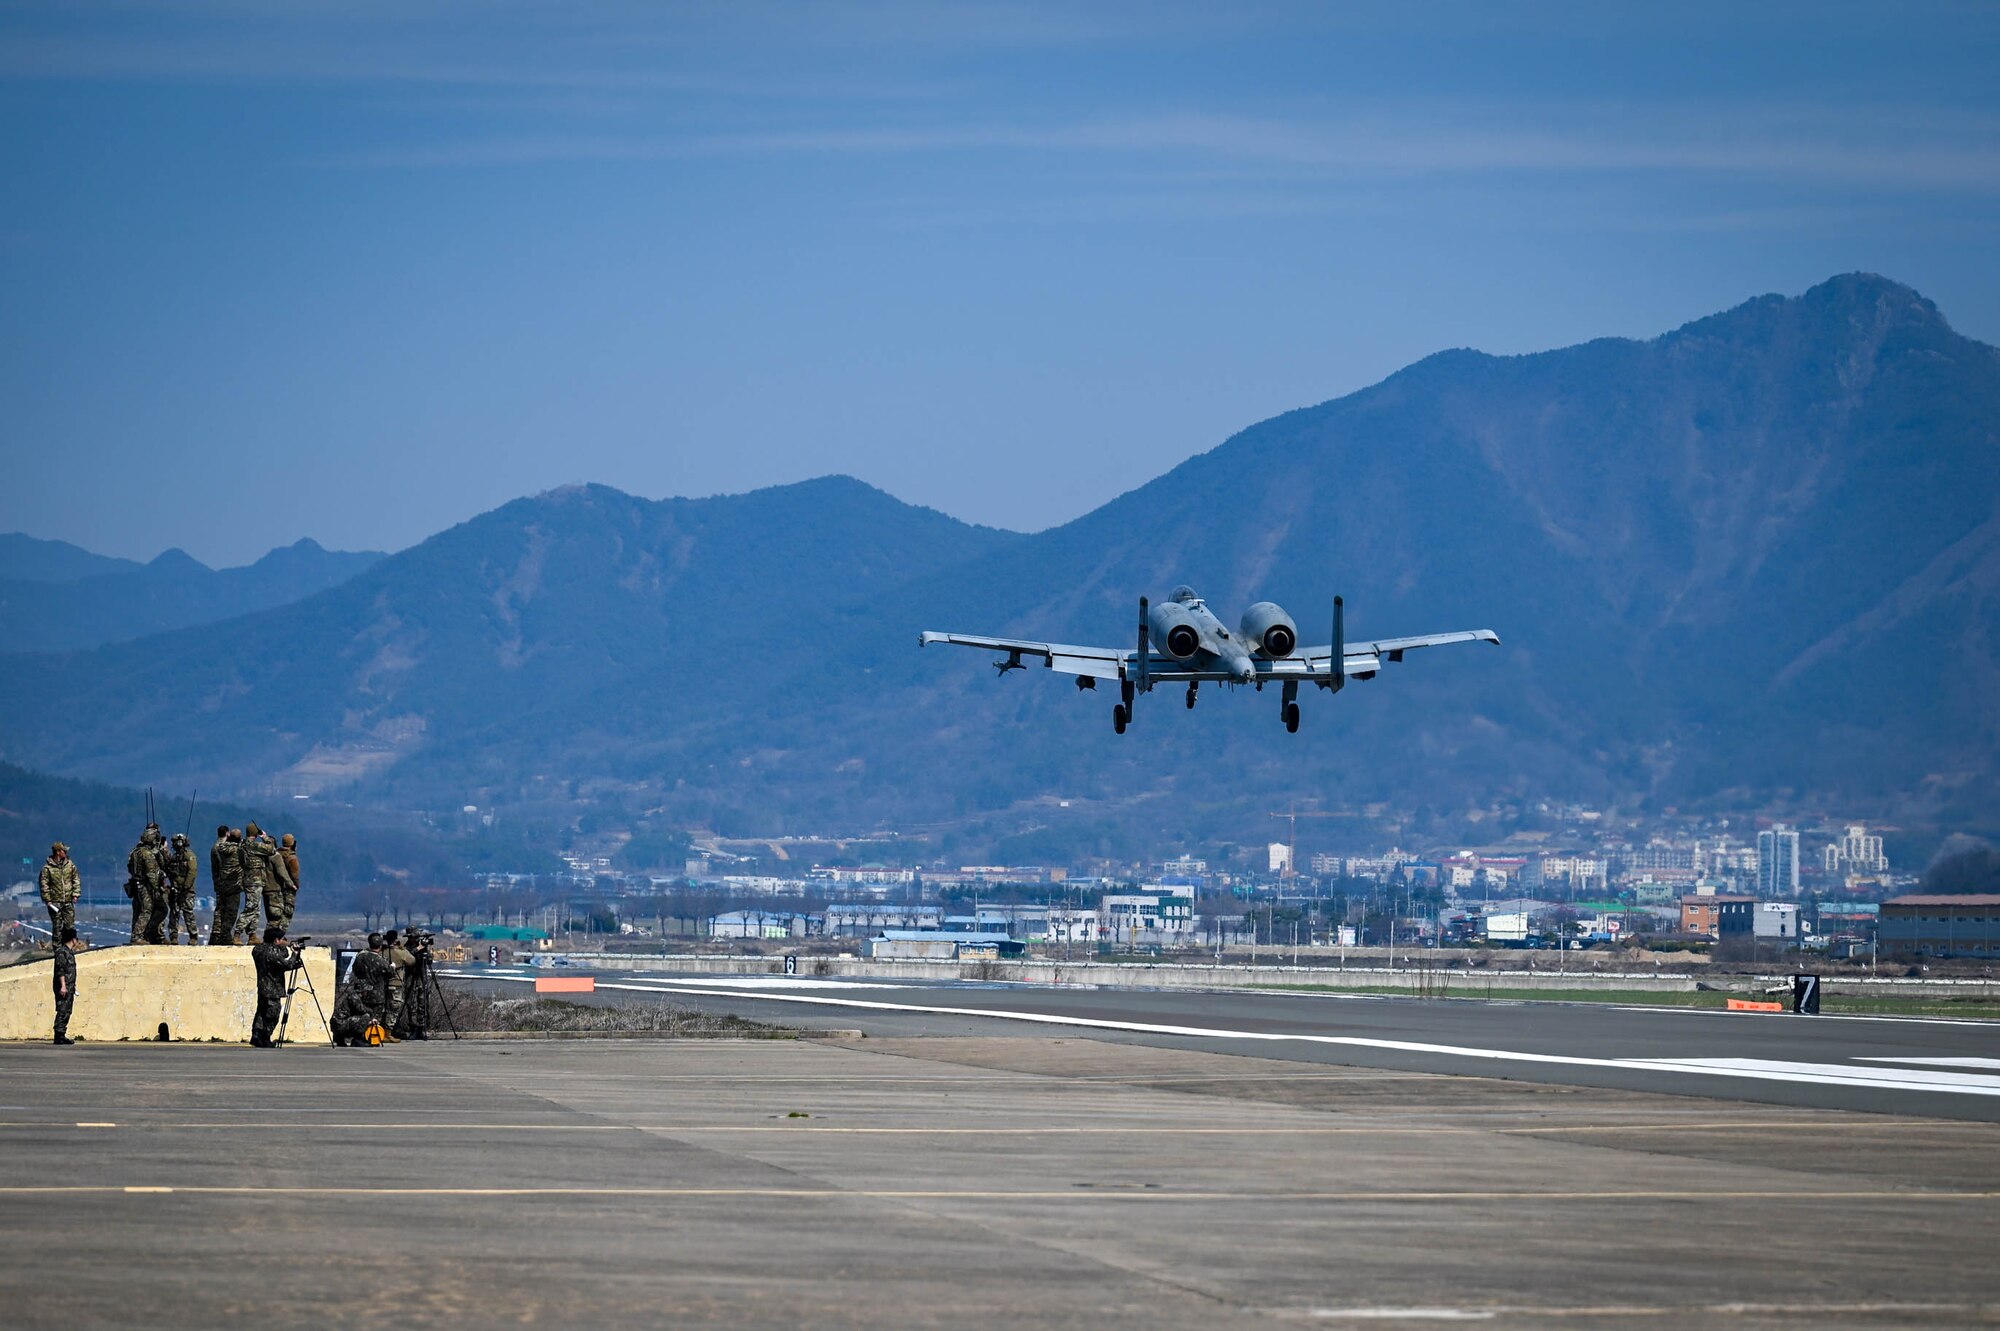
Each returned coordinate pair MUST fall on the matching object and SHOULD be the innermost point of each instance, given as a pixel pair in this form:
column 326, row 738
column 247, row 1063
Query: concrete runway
column 1908, row 1066
column 1053, row 1180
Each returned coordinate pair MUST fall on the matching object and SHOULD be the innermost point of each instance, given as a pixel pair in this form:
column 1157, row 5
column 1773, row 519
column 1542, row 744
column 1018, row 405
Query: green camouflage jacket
column 180, row 868
column 61, row 885
column 262, row 865
column 225, row 863
column 146, row 867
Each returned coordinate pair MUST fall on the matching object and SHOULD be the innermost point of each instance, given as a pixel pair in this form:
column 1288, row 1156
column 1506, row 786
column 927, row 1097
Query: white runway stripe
column 1824, row 1074
column 1833, row 1074
column 1939, row 1062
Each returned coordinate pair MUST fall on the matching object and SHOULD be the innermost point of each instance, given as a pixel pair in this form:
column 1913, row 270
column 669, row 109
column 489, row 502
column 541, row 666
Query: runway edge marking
column 1822, row 1074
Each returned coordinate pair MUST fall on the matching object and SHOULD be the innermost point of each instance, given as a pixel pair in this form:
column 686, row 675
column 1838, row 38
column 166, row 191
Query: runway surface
column 1052, row 1180
column 1916, row 1066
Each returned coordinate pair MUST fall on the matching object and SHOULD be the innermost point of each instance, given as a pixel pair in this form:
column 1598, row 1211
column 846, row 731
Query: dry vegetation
column 539, row 1016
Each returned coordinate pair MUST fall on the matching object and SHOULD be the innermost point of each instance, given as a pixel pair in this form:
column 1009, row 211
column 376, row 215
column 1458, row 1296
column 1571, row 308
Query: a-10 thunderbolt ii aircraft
column 1182, row 642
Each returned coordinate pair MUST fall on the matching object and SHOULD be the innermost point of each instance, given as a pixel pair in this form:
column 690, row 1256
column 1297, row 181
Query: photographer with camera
column 275, row 958
column 414, row 1019
column 364, row 999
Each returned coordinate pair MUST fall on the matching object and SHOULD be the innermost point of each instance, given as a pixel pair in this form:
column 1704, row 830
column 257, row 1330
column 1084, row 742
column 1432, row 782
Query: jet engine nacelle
column 1174, row 630
column 1271, row 629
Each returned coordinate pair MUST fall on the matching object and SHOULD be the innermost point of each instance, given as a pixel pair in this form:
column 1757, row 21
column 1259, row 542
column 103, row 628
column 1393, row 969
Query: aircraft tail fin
column 1338, row 664
column 1145, row 643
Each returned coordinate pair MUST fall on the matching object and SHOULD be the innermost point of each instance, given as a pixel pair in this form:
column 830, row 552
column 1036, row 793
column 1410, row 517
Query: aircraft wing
column 1362, row 659
column 1097, row 662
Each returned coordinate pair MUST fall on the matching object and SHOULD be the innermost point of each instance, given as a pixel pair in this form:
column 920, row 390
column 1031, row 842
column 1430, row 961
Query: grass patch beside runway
column 1887, row 1005
column 555, row 1016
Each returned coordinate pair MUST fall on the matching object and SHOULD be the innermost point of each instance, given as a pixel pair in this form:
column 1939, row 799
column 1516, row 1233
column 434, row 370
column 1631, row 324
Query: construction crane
column 1293, row 814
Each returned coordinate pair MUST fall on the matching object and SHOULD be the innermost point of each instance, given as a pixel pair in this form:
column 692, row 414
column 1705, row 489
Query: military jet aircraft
column 1182, row 642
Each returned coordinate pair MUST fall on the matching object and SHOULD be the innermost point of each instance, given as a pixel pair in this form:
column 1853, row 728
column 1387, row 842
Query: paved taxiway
column 1055, row 1179
column 1886, row 1065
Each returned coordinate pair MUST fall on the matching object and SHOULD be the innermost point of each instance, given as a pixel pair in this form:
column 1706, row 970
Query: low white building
column 759, row 924
column 1070, row 924
column 1776, row 919
column 1163, row 915
column 864, row 919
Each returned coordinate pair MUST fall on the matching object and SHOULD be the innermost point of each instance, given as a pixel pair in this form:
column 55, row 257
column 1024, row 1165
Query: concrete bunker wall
column 124, row 993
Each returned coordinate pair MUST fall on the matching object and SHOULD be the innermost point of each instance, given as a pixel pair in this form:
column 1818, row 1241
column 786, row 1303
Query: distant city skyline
column 361, row 272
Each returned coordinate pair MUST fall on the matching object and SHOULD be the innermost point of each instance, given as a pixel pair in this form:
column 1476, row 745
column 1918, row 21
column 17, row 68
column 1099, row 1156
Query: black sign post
column 791, row 963
column 1805, row 995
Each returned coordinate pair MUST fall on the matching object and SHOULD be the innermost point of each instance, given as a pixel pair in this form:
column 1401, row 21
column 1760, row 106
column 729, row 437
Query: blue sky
column 359, row 271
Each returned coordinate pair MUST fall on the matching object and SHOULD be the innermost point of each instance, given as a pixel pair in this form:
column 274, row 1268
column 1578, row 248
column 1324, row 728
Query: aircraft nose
column 1242, row 668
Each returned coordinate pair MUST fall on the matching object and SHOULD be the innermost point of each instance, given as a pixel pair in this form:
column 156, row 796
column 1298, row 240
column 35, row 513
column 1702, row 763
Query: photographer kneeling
column 364, row 1000
column 274, row 959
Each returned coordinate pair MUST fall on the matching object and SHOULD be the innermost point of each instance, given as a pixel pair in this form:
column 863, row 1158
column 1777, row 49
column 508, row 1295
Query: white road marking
column 1823, row 1074
column 786, row 982
column 1834, row 1074
column 1939, row 1062
column 1405, row 1314
column 719, row 981
column 1693, row 1314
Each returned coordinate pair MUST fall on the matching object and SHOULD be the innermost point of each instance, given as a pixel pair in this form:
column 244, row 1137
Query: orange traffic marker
column 1740, row 1005
column 584, row 984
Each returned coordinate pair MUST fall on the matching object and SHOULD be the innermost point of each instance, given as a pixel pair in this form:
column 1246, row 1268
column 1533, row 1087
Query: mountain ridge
column 132, row 600
column 1687, row 543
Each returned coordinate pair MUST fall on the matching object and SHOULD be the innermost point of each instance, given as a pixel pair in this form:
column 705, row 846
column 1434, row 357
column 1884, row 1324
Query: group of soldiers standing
column 249, row 870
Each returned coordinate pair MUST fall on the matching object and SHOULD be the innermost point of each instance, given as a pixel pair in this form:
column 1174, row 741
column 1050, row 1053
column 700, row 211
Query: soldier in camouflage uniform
column 364, row 999
column 273, row 958
column 264, row 876
column 65, row 981
column 401, row 962
column 181, row 870
column 146, row 884
column 288, row 852
column 61, row 889
column 225, row 871
column 249, row 924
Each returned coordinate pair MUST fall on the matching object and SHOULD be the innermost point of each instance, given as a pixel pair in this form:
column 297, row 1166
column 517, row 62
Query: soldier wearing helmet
column 181, row 872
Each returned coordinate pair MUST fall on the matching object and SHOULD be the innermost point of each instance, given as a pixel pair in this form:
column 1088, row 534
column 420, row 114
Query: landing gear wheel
column 1120, row 717
column 1190, row 699
column 1291, row 718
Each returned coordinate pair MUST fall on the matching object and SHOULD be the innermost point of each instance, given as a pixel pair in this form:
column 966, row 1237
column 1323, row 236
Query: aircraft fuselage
column 1185, row 628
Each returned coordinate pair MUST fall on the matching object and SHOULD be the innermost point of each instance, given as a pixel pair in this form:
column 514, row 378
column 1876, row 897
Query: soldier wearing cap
column 61, row 889
column 225, row 873
column 249, row 925
column 65, row 977
column 363, row 1000
column 264, row 875
column 401, row 962
column 289, row 891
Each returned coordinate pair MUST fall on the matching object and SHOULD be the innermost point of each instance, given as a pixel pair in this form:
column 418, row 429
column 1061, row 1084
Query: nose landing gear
column 1121, row 716
column 1190, row 697
column 1290, row 710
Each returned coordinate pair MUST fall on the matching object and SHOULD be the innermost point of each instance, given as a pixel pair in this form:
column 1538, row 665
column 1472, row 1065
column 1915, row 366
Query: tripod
column 428, row 990
column 291, row 988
